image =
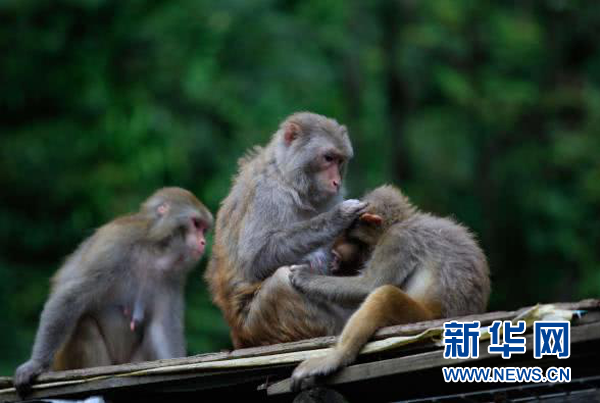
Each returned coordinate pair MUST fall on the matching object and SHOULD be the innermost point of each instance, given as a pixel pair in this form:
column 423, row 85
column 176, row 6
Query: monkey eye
column 329, row 158
column 197, row 222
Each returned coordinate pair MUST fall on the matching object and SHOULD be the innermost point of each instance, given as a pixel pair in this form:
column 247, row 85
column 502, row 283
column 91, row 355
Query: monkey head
column 312, row 153
column 178, row 222
column 386, row 206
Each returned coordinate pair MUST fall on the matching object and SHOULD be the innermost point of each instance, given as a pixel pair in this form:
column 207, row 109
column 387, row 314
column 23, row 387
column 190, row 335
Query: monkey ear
column 369, row 218
column 163, row 209
column 292, row 131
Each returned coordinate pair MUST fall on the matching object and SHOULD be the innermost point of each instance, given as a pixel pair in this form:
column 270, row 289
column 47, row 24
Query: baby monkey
column 119, row 297
column 412, row 266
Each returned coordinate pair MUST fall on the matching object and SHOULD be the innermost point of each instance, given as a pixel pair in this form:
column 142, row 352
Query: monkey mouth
column 331, row 190
column 197, row 253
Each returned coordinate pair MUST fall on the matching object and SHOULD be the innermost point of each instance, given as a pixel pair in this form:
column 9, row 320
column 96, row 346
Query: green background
column 487, row 111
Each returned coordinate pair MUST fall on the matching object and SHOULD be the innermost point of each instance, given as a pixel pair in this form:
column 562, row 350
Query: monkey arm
column 81, row 282
column 391, row 263
column 165, row 335
column 288, row 245
column 342, row 290
column 57, row 322
column 291, row 243
column 62, row 311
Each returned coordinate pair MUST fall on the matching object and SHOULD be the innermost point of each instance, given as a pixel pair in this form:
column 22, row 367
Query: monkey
column 415, row 267
column 119, row 297
column 285, row 207
column 348, row 255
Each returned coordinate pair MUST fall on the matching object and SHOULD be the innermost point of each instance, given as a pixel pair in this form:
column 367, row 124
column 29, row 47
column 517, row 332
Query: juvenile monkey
column 415, row 267
column 119, row 297
column 285, row 207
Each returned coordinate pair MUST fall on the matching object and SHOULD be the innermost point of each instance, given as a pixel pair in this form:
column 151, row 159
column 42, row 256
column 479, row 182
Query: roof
column 396, row 362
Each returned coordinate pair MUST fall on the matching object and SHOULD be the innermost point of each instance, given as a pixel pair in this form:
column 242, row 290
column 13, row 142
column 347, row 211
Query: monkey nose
column 336, row 184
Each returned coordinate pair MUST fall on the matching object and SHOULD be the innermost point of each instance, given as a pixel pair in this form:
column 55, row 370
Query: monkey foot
column 307, row 373
column 25, row 375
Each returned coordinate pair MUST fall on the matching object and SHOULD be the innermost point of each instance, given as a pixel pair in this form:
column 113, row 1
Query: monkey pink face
column 328, row 147
column 196, row 237
column 329, row 173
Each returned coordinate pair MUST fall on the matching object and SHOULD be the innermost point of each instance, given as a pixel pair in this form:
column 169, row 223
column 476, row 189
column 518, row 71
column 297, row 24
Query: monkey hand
column 350, row 209
column 300, row 277
column 26, row 374
column 306, row 374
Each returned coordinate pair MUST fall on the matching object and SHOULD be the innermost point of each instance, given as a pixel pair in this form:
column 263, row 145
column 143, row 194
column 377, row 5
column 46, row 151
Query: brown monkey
column 285, row 207
column 119, row 297
column 416, row 267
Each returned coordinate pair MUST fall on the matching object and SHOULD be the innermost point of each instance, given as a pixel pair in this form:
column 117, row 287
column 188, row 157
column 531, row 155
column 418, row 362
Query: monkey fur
column 285, row 207
column 119, row 297
column 415, row 266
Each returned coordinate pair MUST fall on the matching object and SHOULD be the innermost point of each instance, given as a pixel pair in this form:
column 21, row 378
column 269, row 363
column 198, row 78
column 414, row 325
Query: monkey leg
column 279, row 314
column 385, row 306
column 85, row 348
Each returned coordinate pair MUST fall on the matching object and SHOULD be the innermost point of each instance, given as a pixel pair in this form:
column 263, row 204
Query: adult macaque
column 285, row 207
column 119, row 297
column 416, row 267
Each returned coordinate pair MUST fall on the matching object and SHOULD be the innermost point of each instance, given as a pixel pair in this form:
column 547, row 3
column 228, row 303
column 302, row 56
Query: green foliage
column 486, row 111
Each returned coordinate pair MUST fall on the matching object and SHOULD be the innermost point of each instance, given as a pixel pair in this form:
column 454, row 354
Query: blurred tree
column 487, row 111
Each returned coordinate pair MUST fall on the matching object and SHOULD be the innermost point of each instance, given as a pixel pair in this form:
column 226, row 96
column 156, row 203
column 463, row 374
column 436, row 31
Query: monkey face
column 314, row 151
column 184, row 248
column 329, row 165
column 195, row 238
column 189, row 239
column 179, row 224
